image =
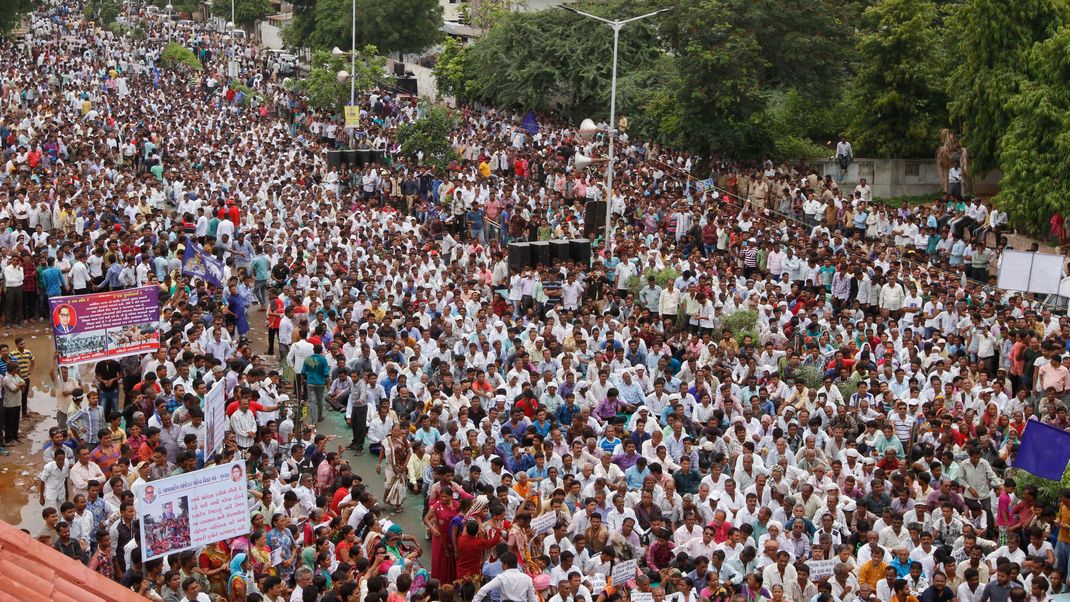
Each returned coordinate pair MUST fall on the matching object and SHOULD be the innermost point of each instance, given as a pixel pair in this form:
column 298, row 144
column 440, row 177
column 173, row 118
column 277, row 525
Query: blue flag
column 530, row 124
column 199, row 263
column 1044, row 451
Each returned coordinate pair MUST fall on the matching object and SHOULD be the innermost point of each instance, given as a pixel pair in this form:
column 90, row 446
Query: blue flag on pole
column 199, row 263
column 1044, row 451
column 530, row 124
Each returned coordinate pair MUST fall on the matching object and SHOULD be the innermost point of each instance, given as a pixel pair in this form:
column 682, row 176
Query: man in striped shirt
column 24, row 362
column 750, row 257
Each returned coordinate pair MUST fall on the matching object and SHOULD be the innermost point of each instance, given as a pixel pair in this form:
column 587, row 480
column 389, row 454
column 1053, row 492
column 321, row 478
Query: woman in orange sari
column 215, row 562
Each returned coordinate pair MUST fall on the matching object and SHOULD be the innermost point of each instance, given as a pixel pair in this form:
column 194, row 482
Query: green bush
column 794, row 148
column 811, row 375
column 177, row 56
column 662, row 277
column 429, row 137
column 250, row 94
column 741, row 324
column 1048, row 490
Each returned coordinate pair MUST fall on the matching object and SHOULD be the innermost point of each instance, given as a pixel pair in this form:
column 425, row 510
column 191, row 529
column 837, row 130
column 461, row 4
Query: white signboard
column 624, row 572
column 642, row 597
column 1030, row 272
column 191, row 510
column 597, row 581
column 820, row 569
column 544, row 523
column 215, row 419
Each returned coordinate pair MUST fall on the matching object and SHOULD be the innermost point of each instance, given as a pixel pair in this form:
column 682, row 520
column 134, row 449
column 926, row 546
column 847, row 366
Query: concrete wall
column 450, row 10
column 899, row 177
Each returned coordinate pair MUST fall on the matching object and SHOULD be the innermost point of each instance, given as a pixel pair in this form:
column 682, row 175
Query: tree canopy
column 898, row 94
column 992, row 38
column 323, row 89
column 428, row 138
column 1033, row 152
column 246, row 12
column 11, row 12
column 398, row 26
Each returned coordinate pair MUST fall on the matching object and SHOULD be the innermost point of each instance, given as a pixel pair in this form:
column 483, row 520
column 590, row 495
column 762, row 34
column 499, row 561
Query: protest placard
column 194, row 509
column 597, row 581
column 544, row 523
column 624, row 571
column 819, row 569
column 215, row 418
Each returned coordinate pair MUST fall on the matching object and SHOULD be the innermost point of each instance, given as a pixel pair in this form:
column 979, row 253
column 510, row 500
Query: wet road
column 18, row 471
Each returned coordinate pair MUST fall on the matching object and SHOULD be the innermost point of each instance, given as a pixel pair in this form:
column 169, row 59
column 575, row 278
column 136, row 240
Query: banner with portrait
column 191, row 510
column 198, row 263
column 98, row 326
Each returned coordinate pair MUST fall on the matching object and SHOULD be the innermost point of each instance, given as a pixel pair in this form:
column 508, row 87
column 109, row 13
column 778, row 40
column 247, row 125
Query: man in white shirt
column 512, row 585
column 13, row 277
column 864, row 190
column 52, row 482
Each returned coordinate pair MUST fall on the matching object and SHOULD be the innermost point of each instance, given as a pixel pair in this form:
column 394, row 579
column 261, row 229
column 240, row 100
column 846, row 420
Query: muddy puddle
column 18, row 471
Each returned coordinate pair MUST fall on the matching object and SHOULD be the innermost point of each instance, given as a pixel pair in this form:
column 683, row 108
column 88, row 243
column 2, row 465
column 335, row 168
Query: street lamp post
column 353, row 58
column 612, row 130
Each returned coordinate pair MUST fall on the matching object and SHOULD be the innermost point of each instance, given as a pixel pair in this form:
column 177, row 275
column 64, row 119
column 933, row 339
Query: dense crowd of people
column 761, row 387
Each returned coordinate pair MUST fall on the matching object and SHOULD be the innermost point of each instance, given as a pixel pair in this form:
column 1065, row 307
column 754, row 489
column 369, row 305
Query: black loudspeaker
column 580, row 251
column 594, row 217
column 408, row 85
column 377, row 155
column 560, row 250
column 399, row 69
column 349, row 157
column 540, row 254
column 519, row 256
column 362, row 157
column 334, row 158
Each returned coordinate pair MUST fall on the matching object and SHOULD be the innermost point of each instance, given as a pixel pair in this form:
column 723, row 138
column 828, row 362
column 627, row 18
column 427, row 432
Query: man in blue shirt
column 261, row 269
column 637, row 474
column 52, row 278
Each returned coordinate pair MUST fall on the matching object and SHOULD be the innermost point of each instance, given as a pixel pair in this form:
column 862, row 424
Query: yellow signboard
column 352, row 116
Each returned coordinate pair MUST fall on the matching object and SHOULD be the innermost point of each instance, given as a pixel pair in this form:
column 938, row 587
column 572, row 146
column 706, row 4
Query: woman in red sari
column 437, row 520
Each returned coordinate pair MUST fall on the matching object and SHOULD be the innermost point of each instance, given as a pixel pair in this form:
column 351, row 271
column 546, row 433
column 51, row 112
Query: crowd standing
column 762, row 372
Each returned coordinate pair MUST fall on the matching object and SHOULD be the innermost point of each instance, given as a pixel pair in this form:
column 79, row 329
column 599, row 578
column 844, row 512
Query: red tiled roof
column 30, row 571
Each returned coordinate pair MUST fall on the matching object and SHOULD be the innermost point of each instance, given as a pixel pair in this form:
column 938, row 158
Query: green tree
column 398, row 26
column 992, row 38
column 898, row 94
column 487, row 13
column 451, row 69
column 322, row 88
column 1033, row 152
column 801, row 127
column 11, row 12
column 103, row 12
column 553, row 60
column 428, row 138
column 718, row 104
column 247, row 13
